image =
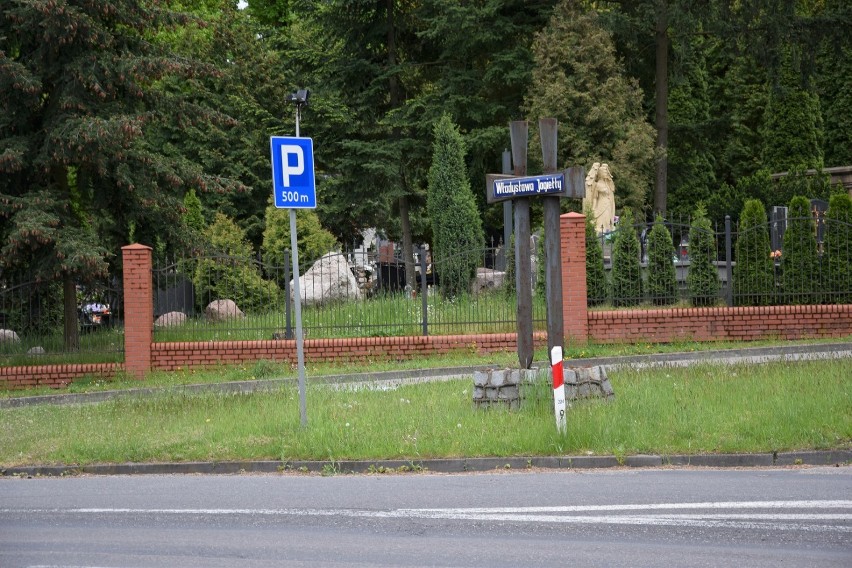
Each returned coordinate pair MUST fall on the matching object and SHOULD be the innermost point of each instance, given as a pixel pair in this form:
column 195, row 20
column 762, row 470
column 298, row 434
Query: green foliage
column 626, row 282
column 792, row 124
column 540, row 268
column 574, row 57
column 457, row 239
column 754, row 279
column 703, row 278
column 510, row 285
column 596, row 284
column 234, row 275
column 799, row 262
column 838, row 248
column 662, row 279
column 193, row 217
column 313, row 241
column 691, row 164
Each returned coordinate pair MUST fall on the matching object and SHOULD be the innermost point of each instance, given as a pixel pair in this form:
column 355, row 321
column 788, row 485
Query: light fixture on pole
column 300, row 99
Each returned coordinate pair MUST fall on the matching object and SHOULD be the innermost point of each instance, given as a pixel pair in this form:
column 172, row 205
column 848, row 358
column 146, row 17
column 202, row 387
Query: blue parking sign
column 293, row 183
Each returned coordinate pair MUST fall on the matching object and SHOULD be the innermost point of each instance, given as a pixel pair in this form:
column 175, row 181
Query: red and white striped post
column 558, row 387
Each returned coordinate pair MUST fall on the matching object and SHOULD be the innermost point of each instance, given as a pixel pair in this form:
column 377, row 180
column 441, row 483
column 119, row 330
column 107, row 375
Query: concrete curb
column 461, row 465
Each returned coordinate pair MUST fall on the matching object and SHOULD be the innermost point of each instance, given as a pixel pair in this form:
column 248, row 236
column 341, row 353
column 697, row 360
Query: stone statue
column 600, row 196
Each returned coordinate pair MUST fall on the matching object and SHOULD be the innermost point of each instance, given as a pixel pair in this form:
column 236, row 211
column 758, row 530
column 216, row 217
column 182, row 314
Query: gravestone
column 778, row 224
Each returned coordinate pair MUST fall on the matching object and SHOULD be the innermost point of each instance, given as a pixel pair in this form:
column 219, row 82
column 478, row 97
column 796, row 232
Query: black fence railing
column 343, row 295
column 33, row 326
column 809, row 265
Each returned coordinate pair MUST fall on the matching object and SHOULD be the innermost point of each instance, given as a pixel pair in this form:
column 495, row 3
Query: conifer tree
column 799, row 262
column 312, row 240
column 662, row 278
column 232, row 274
column 82, row 103
column 626, row 282
column 596, row 284
column 457, row 239
column 703, row 277
column 838, row 248
column 754, row 278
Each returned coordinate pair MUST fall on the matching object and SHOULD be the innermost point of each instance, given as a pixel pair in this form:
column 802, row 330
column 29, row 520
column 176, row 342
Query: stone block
column 498, row 377
column 569, row 376
column 480, row 378
column 491, row 393
column 508, row 393
column 478, row 393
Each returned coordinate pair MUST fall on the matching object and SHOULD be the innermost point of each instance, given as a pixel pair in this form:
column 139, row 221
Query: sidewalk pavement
column 391, row 379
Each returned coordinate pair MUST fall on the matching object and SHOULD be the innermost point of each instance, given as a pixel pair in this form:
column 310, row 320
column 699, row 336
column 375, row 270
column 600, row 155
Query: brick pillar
column 138, row 309
column 575, row 313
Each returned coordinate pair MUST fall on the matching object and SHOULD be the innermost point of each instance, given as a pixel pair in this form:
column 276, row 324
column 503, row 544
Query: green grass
column 266, row 369
column 744, row 408
column 382, row 315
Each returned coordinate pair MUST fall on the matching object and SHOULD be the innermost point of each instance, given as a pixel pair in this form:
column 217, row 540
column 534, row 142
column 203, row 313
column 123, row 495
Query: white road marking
column 570, row 514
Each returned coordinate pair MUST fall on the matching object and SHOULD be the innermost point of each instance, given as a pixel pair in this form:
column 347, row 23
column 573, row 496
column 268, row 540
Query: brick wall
column 720, row 323
column 171, row 356
column 54, row 376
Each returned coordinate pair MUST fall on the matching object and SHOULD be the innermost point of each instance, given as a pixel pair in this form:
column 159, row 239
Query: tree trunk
column 395, row 101
column 72, row 324
column 662, row 106
column 407, row 243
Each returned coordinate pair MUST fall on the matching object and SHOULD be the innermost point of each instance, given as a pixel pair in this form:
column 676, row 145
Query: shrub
column 313, row 241
column 233, row 276
column 799, row 262
column 754, row 280
column 595, row 273
column 703, row 279
column 838, row 248
column 662, row 279
column 626, row 284
column 509, row 283
column 541, row 266
column 457, row 234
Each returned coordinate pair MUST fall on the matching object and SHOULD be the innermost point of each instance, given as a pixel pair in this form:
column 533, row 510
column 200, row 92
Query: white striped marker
column 558, row 388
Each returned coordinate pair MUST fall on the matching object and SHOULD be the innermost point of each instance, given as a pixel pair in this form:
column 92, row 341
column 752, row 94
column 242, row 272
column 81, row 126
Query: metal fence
column 32, row 321
column 767, row 264
column 364, row 294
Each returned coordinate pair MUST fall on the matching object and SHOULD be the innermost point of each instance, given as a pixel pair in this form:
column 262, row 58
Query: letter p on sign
column 288, row 170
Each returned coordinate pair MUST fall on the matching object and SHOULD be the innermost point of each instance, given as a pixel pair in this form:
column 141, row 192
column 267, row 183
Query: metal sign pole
column 297, row 296
column 300, row 339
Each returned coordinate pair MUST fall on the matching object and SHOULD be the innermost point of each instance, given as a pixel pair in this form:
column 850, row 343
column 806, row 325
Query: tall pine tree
column 81, row 162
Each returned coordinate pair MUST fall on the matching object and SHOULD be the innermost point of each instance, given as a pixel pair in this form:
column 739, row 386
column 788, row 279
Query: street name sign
column 567, row 183
column 293, row 182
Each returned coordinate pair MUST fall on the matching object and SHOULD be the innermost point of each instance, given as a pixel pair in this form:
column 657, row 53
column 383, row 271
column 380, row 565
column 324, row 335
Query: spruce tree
column 662, row 278
column 457, row 239
column 799, row 262
column 579, row 80
column 754, row 276
column 626, row 281
column 838, row 249
column 80, row 160
column 596, row 285
column 703, row 277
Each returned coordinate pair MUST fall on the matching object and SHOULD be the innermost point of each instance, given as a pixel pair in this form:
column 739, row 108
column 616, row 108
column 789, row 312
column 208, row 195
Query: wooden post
column 552, row 256
column 519, row 132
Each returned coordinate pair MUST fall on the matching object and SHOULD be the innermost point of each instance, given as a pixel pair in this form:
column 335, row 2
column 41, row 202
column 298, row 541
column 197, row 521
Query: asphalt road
column 677, row 517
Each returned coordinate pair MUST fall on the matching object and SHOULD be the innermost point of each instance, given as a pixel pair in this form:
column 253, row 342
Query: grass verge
column 703, row 409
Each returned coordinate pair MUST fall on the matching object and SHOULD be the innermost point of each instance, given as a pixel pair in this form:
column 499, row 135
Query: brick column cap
column 573, row 215
column 136, row 246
